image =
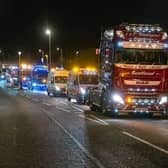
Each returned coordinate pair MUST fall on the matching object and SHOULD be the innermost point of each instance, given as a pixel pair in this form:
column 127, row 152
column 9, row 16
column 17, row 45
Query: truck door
column 51, row 83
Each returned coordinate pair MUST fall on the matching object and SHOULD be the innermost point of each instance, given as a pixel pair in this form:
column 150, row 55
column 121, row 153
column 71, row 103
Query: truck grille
column 142, row 89
column 144, row 101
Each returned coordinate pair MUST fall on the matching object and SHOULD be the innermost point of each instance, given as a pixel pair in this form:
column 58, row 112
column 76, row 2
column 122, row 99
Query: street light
column 77, row 54
column 48, row 33
column 42, row 56
column 0, row 55
column 20, row 71
column 19, row 53
column 61, row 56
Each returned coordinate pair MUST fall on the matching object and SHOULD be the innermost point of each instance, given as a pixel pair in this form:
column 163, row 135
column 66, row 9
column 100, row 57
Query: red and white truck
column 133, row 70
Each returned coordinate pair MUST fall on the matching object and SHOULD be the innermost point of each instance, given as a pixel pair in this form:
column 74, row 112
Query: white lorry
column 57, row 82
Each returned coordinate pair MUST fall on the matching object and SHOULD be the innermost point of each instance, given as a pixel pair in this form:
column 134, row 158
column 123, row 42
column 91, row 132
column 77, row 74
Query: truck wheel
column 103, row 110
column 150, row 115
column 164, row 115
column 69, row 99
column 79, row 101
column 92, row 107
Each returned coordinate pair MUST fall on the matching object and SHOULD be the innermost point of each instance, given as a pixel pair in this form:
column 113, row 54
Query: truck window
column 141, row 56
column 61, row 79
column 88, row 79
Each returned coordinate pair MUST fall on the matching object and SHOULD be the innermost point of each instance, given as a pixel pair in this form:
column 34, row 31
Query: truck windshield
column 141, row 56
column 61, row 79
column 88, row 79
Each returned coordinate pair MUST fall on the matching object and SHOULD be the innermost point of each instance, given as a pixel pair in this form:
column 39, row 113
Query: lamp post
column 48, row 33
column 20, row 71
column 1, row 57
column 42, row 55
column 61, row 57
column 77, row 54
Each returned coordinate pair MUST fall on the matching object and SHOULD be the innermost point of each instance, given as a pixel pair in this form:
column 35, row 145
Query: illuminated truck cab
column 57, row 82
column 39, row 76
column 133, row 70
column 80, row 81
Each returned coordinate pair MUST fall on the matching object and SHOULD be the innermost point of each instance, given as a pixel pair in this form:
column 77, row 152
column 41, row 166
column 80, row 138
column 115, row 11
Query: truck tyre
column 92, row 107
column 150, row 115
column 69, row 99
column 164, row 115
column 79, row 101
column 103, row 110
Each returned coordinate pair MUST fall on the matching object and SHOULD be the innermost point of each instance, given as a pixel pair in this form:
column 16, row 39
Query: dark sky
column 75, row 25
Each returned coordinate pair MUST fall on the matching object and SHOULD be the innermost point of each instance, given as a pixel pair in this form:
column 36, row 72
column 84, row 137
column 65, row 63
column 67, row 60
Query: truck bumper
column 142, row 110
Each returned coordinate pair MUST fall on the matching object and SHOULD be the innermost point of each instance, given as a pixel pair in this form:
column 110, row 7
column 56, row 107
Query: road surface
column 37, row 131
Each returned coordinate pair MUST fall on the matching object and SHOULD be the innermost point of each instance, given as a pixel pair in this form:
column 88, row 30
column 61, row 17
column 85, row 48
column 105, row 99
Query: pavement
column 38, row 131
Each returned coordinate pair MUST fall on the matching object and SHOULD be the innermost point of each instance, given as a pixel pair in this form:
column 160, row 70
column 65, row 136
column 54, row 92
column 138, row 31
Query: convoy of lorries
column 132, row 76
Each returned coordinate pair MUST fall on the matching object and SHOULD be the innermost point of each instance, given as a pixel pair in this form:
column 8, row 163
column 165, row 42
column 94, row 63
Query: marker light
column 120, row 44
column 165, row 45
column 129, row 100
column 164, row 36
column 109, row 34
column 24, row 78
column 52, row 69
column 44, row 81
column 24, row 66
column 120, row 34
column 76, row 69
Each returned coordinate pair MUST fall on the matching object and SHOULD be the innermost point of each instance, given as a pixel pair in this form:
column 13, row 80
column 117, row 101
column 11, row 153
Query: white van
column 80, row 81
column 57, row 82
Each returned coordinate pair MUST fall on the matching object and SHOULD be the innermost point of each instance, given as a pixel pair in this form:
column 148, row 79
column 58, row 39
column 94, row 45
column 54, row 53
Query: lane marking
column 67, row 111
column 47, row 104
column 91, row 119
column 63, row 103
column 104, row 122
column 81, row 147
column 77, row 108
column 146, row 142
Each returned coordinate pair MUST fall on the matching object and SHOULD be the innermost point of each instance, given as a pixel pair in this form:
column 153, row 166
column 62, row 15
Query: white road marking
column 104, row 122
column 47, row 104
column 67, row 111
column 91, row 119
column 83, row 149
column 63, row 103
column 146, row 142
column 77, row 108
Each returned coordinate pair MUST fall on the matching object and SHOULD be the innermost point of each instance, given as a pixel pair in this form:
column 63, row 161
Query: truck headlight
column 117, row 98
column 34, row 84
column 44, row 81
column 2, row 76
column 57, row 88
column 24, row 79
column 163, row 100
column 82, row 90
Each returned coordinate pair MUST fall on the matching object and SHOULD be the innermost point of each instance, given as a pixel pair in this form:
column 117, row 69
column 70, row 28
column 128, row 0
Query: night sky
column 74, row 25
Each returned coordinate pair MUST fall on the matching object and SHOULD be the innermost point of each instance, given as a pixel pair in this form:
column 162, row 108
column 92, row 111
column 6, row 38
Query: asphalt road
column 37, row 131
